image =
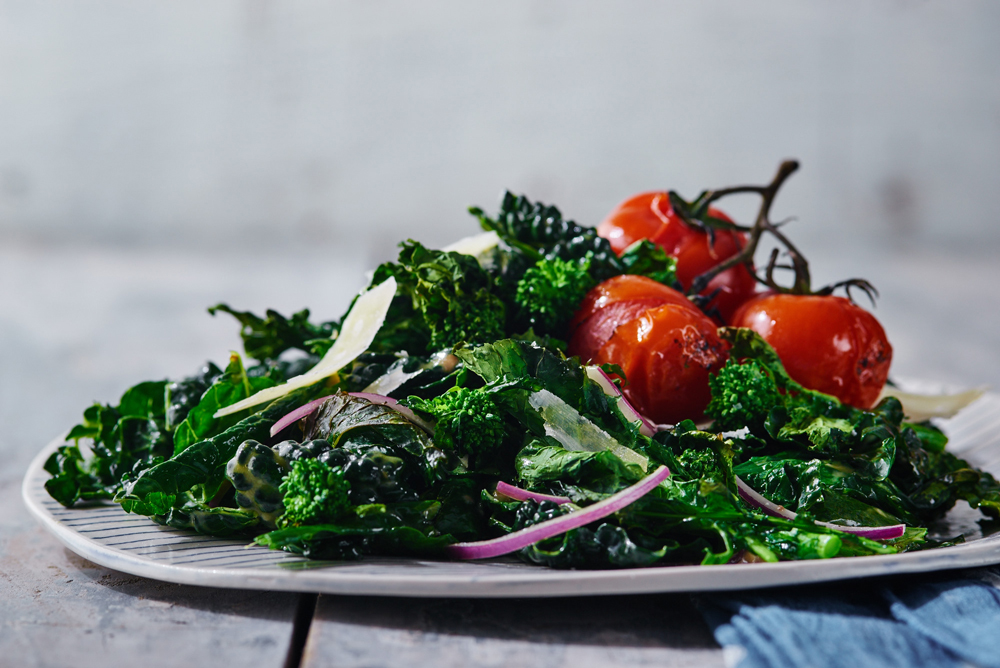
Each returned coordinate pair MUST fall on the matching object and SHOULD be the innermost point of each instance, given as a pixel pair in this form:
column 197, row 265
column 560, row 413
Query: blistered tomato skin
column 650, row 216
column 667, row 354
column 826, row 343
column 615, row 302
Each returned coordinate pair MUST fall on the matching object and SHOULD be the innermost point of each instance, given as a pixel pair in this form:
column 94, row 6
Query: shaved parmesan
column 919, row 407
column 475, row 245
column 575, row 432
column 356, row 335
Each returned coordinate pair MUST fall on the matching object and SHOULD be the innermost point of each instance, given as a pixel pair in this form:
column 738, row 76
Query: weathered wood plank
column 61, row 610
column 580, row 633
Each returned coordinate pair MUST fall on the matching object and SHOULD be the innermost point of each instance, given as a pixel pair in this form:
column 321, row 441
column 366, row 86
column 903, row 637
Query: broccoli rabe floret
column 450, row 300
column 551, row 291
column 313, row 493
column 742, row 395
column 467, row 421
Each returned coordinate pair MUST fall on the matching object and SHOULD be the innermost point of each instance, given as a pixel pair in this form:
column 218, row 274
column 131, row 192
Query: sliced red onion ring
column 519, row 494
column 383, row 400
column 512, row 542
column 748, row 494
column 297, row 414
column 601, row 377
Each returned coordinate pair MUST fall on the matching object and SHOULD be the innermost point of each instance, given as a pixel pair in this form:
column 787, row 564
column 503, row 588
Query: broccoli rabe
column 552, row 290
column 313, row 493
column 443, row 298
column 742, row 394
column 467, row 421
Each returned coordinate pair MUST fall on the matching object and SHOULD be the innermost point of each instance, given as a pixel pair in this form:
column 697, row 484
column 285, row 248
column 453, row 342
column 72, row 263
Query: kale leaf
column 232, row 385
column 266, row 338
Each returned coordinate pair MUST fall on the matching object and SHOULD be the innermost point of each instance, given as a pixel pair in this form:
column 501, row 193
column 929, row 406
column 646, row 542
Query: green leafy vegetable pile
column 472, row 351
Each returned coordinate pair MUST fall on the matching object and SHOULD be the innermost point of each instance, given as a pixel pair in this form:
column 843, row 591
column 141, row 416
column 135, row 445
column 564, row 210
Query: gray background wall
column 258, row 122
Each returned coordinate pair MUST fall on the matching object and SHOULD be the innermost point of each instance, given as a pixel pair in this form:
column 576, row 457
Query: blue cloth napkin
column 903, row 621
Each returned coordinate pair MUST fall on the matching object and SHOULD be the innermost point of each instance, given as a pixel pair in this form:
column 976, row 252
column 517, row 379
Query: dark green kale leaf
column 606, row 546
column 211, row 521
column 266, row 338
column 547, row 467
column 644, row 258
column 183, row 395
column 933, row 480
column 442, row 299
column 232, row 385
column 131, row 434
column 534, row 231
column 199, row 471
column 404, row 529
column 828, row 490
column 385, row 458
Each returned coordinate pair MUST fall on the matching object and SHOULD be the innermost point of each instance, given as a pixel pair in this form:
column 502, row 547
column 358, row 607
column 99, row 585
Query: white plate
column 133, row 544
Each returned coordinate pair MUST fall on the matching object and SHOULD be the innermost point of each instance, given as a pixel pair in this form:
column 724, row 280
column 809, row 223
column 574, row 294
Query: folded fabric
column 904, row 621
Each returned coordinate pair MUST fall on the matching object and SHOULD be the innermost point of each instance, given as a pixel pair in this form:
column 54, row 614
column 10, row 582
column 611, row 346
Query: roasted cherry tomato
column 826, row 343
column 667, row 354
column 612, row 303
column 650, row 216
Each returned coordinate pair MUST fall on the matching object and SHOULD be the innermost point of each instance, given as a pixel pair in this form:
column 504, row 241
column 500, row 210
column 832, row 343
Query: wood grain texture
column 667, row 631
column 61, row 610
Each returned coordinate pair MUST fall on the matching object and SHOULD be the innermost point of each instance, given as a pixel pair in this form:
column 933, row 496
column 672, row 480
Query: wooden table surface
column 79, row 325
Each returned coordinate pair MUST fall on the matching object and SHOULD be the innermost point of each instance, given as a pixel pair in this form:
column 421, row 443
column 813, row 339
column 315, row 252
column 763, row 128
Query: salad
column 638, row 393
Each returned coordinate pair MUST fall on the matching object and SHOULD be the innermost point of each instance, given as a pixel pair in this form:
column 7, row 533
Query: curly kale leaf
column 129, row 435
column 644, row 258
column 538, row 231
column 753, row 390
column 550, row 292
column 266, row 338
column 466, row 420
column 313, row 493
column 384, row 456
column 443, row 298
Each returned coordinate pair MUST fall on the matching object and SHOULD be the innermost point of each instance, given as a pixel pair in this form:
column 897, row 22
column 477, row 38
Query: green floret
column 314, row 493
column 443, row 298
column 742, row 395
column 551, row 291
column 468, row 422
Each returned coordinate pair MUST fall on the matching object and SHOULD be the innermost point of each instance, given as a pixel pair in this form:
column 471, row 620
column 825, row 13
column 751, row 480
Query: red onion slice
column 297, row 414
column 512, row 542
column 601, row 377
column 519, row 494
column 874, row 533
column 748, row 494
column 383, row 400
